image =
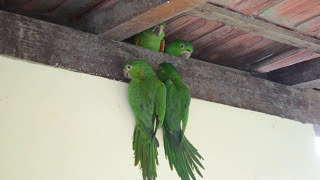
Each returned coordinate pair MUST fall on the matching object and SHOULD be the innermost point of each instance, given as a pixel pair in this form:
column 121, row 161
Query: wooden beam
column 129, row 17
column 86, row 11
column 50, row 44
column 256, row 26
column 304, row 75
column 259, row 66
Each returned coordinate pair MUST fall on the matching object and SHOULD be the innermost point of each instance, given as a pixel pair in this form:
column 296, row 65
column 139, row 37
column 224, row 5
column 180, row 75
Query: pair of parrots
column 153, row 38
column 161, row 101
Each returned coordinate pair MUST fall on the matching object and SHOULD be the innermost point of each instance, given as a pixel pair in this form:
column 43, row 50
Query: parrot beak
column 185, row 54
column 158, row 30
column 126, row 73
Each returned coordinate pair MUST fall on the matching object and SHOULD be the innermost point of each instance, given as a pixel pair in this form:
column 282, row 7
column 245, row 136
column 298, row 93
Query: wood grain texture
column 129, row 17
column 42, row 42
column 256, row 26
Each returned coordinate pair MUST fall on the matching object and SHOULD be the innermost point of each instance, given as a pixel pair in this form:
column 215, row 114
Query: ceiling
column 225, row 45
column 300, row 15
column 214, row 42
column 64, row 12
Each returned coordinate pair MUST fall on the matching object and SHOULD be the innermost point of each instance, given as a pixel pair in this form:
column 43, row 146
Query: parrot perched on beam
column 147, row 97
column 152, row 38
column 180, row 48
column 181, row 154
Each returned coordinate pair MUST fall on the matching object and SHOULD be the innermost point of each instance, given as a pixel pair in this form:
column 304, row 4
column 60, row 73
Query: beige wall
column 61, row 125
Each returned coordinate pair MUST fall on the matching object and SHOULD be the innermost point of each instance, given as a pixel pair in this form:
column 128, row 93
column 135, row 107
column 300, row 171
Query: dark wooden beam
column 304, row 75
column 256, row 26
column 86, row 11
column 129, row 17
column 50, row 44
column 259, row 66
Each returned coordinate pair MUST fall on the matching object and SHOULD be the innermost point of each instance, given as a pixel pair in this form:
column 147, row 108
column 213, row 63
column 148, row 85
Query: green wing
column 178, row 102
column 142, row 97
column 185, row 98
column 161, row 104
column 148, row 40
column 141, row 100
column 181, row 154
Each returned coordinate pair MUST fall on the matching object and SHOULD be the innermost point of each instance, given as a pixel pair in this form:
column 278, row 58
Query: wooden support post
column 50, row 44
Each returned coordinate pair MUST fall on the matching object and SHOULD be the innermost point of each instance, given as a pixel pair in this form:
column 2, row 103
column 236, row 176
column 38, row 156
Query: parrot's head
column 167, row 71
column 158, row 30
column 180, row 48
column 136, row 69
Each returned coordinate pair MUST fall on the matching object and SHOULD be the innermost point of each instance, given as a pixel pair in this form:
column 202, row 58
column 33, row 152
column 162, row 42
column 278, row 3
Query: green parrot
column 181, row 154
column 147, row 97
column 152, row 38
column 180, row 48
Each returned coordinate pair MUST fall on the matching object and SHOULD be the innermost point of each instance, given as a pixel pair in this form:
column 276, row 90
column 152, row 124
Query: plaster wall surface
column 57, row 124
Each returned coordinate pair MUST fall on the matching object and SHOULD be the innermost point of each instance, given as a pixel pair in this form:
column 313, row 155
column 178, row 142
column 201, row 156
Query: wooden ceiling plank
column 256, row 26
column 129, row 17
column 63, row 47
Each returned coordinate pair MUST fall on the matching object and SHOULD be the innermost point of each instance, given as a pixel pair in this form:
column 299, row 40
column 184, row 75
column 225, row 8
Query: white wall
column 61, row 125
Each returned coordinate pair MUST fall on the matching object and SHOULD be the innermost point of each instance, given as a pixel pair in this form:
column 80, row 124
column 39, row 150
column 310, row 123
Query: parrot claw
column 158, row 30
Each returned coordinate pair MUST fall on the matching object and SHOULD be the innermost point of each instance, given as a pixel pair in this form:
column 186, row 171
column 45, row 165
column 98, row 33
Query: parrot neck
column 176, row 80
column 146, row 75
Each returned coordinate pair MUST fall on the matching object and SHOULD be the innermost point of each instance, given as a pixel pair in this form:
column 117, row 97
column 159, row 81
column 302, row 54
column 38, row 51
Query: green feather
column 147, row 97
column 180, row 48
column 148, row 39
column 181, row 154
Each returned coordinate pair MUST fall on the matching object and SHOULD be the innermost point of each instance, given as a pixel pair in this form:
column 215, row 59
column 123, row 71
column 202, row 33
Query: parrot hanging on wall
column 152, row 38
column 147, row 97
column 181, row 154
column 180, row 48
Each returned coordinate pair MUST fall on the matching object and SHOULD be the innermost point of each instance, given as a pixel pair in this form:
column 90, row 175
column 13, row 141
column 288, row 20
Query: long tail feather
column 185, row 159
column 145, row 153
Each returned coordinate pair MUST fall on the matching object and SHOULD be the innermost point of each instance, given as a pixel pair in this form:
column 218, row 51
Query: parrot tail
column 184, row 160
column 145, row 153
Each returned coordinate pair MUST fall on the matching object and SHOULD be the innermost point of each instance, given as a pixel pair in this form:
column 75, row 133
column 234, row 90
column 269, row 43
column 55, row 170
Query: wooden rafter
column 256, row 26
column 304, row 75
column 129, row 17
column 259, row 66
column 50, row 44
column 86, row 11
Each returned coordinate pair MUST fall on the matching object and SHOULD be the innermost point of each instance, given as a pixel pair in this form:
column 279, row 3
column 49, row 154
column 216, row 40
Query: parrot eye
column 129, row 67
column 182, row 46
